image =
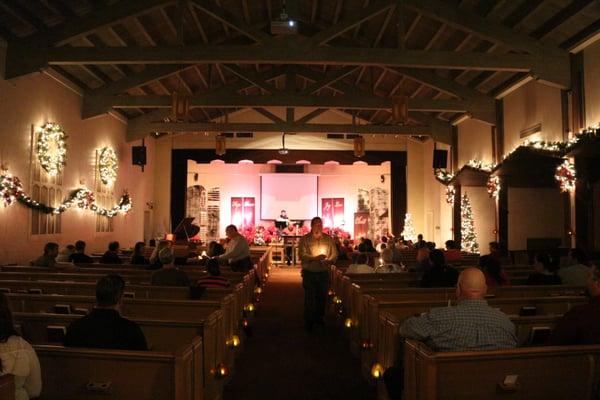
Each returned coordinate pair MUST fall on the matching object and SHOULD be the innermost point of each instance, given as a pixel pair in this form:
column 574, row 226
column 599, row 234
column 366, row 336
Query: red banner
column 361, row 224
column 243, row 211
column 332, row 212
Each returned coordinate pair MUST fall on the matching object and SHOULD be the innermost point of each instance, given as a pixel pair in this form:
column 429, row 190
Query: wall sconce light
column 377, row 371
column 220, row 371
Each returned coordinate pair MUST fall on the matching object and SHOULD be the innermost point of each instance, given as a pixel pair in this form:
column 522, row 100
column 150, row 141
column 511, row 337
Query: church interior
column 326, row 178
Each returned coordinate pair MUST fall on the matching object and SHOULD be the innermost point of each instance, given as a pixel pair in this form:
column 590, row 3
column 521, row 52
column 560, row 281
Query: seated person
column 576, row 273
column 420, row 242
column 137, row 258
column 237, row 253
column 581, row 324
column 423, row 264
column 544, row 271
column 494, row 274
column 495, row 250
column 111, row 256
column 382, row 244
column 79, row 257
column 104, row 327
column 387, row 264
column 17, row 357
column 360, row 265
column 471, row 325
column 154, row 260
column 215, row 249
column 169, row 274
column 65, row 254
column 452, row 252
column 214, row 279
column 366, row 246
column 440, row 274
column 48, row 259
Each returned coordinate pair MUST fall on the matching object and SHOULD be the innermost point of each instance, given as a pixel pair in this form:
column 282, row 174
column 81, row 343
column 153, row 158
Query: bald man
column 470, row 325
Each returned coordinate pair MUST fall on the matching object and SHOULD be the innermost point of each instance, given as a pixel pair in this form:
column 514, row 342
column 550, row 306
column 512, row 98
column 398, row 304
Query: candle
column 204, row 253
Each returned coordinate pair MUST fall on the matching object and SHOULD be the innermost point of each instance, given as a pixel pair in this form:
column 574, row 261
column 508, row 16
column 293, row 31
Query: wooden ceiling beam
column 229, row 19
column 574, row 8
column 312, row 115
column 268, row 114
column 142, row 130
column 197, row 22
column 329, row 78
column 17, row 8
column 471, row 22
column 338, row 29
column 384, row 26
column 250, row 77
column 102, row 16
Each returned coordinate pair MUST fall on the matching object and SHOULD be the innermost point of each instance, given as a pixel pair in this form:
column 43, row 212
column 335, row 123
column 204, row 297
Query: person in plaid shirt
column 470, row 325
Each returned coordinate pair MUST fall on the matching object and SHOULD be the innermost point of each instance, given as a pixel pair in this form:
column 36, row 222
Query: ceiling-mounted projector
column 284, row 25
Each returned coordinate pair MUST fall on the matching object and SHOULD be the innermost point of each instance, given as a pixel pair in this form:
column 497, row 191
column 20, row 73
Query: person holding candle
column 317, row 253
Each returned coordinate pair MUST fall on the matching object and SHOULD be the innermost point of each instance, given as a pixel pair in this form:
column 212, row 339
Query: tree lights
column 468, row 237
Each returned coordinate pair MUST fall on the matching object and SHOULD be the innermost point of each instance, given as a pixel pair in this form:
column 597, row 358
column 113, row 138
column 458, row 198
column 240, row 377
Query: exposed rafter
column 22, row 60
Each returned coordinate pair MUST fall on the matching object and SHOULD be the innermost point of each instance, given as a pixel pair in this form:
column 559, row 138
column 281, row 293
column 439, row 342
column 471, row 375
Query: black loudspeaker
column 138, row 155
column 289, row 168
column 440, row 159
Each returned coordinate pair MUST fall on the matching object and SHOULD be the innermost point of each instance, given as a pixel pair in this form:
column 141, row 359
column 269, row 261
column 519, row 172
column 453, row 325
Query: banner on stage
column 332, row 212
column 243, row 211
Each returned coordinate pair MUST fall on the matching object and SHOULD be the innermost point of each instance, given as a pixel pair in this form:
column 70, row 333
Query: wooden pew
column 369, row 325
column 7, row 387
column 74, row 373
column 553, row 372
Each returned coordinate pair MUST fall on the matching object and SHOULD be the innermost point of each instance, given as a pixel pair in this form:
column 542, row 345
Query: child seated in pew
column 104, row 327
column 138, row 258
column 214, row 278
column 17, row 357
column 48, row 259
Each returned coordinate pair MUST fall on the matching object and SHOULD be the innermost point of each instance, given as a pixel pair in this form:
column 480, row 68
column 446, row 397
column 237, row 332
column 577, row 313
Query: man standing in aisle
column 317, row 253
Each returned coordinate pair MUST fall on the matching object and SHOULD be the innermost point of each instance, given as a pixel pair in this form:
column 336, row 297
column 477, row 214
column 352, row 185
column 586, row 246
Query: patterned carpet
column 284, row 362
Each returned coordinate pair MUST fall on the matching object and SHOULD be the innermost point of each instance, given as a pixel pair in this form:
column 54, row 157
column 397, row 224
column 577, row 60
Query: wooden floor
column 283, row 361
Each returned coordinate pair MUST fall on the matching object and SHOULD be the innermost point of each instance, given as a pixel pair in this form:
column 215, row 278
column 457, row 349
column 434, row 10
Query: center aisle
column 284, row 362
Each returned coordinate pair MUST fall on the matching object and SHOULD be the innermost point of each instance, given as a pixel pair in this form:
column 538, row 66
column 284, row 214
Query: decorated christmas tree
column 409, row 229
column 467, row 230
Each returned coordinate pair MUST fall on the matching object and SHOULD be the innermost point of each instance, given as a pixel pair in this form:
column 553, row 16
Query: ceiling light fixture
column 283, row 150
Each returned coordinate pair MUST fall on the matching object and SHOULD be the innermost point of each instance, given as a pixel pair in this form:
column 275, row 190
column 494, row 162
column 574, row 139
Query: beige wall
column 591, row 62
column 33, row 100
column 534, row 213
column 529, row 105
column 474, row 142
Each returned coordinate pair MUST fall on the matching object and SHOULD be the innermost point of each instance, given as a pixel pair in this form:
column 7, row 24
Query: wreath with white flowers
column 493, row 186
column 108, row 165
column 566, row 176
column 450, row 193
column 51, row 148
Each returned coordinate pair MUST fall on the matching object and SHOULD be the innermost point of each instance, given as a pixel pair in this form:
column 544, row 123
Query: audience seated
column 169, row 274
column 154, row 259
column 360, row 265
column 494, row 274
column 495, row 250
column 420, row 243
column 387, row 264
column 382, row 244
column 440, row 274
column 65, row 254
column 111, row 256
column 214, row 278
column 215, row 249
column 17, row 357
column 237, row 253
column 366, row 246
column 401, row 244
column 544, row 271
column 471, row 325
column 48, row 259
column 452, row 252
column 104, row 327
column 79, row 256
column 577, row 271
column 581, row 324
column 137, row 258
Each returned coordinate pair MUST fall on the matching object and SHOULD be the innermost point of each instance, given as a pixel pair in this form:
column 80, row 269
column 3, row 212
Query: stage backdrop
column 382, row 182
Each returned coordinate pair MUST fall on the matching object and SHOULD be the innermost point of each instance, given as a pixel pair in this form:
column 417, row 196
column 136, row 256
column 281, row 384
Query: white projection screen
column 295, row 193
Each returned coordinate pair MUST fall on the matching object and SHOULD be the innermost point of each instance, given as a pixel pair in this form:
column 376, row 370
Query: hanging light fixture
column 220, row 145
column 400, row 109
column 283, row 151
column 359, row 146
column 180, row 106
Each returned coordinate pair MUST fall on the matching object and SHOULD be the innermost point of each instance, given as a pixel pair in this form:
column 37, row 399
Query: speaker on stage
column 138, row 155
column 440, row 159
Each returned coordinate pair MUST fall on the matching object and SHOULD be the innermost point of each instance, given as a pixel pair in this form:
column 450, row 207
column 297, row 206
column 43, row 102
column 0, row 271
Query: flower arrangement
column 566, row 176
column 335, row 232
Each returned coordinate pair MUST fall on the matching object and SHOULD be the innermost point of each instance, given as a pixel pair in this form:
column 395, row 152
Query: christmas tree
column 409, row 229
column 467, row 230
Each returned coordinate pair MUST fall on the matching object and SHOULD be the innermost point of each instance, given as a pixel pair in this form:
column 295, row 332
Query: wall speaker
column 440, row 159
column 138, row 155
